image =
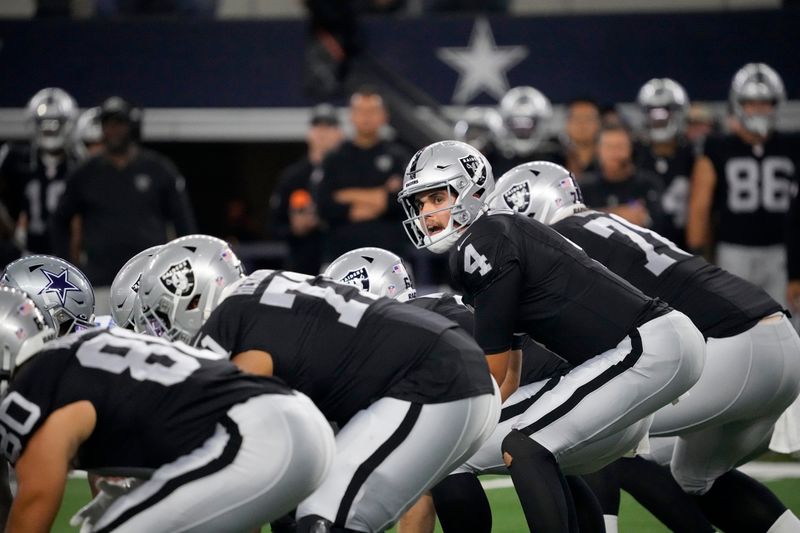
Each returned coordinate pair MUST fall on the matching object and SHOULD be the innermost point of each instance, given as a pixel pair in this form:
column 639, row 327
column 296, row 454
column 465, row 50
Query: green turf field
column 506, row 512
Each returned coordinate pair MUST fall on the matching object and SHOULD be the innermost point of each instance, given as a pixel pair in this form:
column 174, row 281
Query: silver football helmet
column 125, row 288
column 541, row 190
column 757, row 82
column 182, row 283
column 664, row 105
column 60, row 290
column 466, row 175
column 88, row 130
column 23, row 330
column 479, row 127
column 53, row 112
column 526, row 113
column 374, row 270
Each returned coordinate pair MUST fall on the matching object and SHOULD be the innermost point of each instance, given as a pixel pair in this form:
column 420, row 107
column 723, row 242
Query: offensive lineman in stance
column 124, row 404
column 752, row 371
column 409, row 389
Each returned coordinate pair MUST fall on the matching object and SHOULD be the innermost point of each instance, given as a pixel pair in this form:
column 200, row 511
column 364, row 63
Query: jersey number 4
column 474, row 261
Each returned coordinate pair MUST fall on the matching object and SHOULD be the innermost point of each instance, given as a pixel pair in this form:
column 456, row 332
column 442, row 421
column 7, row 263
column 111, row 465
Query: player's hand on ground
column 110, row 489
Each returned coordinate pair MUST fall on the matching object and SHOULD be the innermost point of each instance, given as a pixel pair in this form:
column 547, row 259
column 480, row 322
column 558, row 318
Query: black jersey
column 522, row 276
column 753, row 187
column 155, row 401
column 342, row 347
column 538, row 362
column 674, row 173
column 35, row 182
column 719, row 303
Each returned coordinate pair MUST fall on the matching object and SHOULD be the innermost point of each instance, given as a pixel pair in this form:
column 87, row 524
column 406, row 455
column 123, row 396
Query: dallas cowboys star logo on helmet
column 59, row 284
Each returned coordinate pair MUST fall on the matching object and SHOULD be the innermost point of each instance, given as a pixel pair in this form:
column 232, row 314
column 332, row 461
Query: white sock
column 786, row 523
column 610, row 521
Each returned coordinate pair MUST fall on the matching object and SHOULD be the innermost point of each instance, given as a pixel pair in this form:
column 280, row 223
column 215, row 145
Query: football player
column 115, row 401
column 665, row 152
column 34, row 173
column 60, row 290
column 746, row 178
column 460, row 501
column 526, row 114
column 409, row 389
column 632, row 354
column 125, row 290
column 752, row 371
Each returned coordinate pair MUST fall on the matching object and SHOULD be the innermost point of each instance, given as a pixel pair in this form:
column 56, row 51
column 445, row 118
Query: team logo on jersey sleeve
column 357, row 278
column 179, row 278
column 518, row 197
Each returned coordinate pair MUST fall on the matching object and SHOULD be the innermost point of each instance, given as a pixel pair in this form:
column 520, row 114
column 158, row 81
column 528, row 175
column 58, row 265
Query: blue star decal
column 60, row 284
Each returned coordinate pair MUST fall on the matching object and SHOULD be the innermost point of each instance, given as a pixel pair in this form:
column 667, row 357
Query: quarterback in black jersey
column 632, row 354
column 745, row 179
column 752, row 370
column 122, row 404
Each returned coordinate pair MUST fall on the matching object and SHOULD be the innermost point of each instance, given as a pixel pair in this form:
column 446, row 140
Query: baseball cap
column 324, row 114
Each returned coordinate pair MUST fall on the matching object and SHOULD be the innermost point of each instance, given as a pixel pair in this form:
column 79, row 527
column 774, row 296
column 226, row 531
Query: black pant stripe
column 373, row 461
column 518, row 408
column 228, row 455
column 592, row 385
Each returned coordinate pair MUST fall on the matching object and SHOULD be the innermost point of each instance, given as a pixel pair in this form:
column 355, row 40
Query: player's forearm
column 33, row 510
column 513, row 375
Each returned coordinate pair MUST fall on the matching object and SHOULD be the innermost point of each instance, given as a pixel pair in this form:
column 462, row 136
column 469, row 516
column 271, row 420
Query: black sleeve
column 69, row 205
column 652, row 199
column 219, row 333
column 330, row 210
column 496, row 310
column 793, row 236
column 179, row 209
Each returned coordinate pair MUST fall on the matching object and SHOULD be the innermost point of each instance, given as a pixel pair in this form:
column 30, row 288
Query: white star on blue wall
column 482, row 65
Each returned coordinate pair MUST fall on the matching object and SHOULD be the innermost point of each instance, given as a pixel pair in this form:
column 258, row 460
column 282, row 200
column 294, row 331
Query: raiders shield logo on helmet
column 470, row 164
column 179, row 278
column 518, row 197
column 357, row 278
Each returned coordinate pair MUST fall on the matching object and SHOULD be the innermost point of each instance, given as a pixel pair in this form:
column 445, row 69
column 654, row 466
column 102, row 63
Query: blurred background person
column 619, row 187
column 665, row 151
column 87, row 137
column 526, row 114
column 745, row 181
column 34, row 173
column 479, row 127
column 9, row 251
column 700, row 123
column 357, row 196
column 579, row 139
column 128, row 198
column 293, row 210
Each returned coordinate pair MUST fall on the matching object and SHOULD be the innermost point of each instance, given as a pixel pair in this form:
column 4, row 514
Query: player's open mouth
column 434, row 229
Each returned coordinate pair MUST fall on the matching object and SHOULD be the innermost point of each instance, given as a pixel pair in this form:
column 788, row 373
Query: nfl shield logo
column 518, row 197
column 179, row 278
